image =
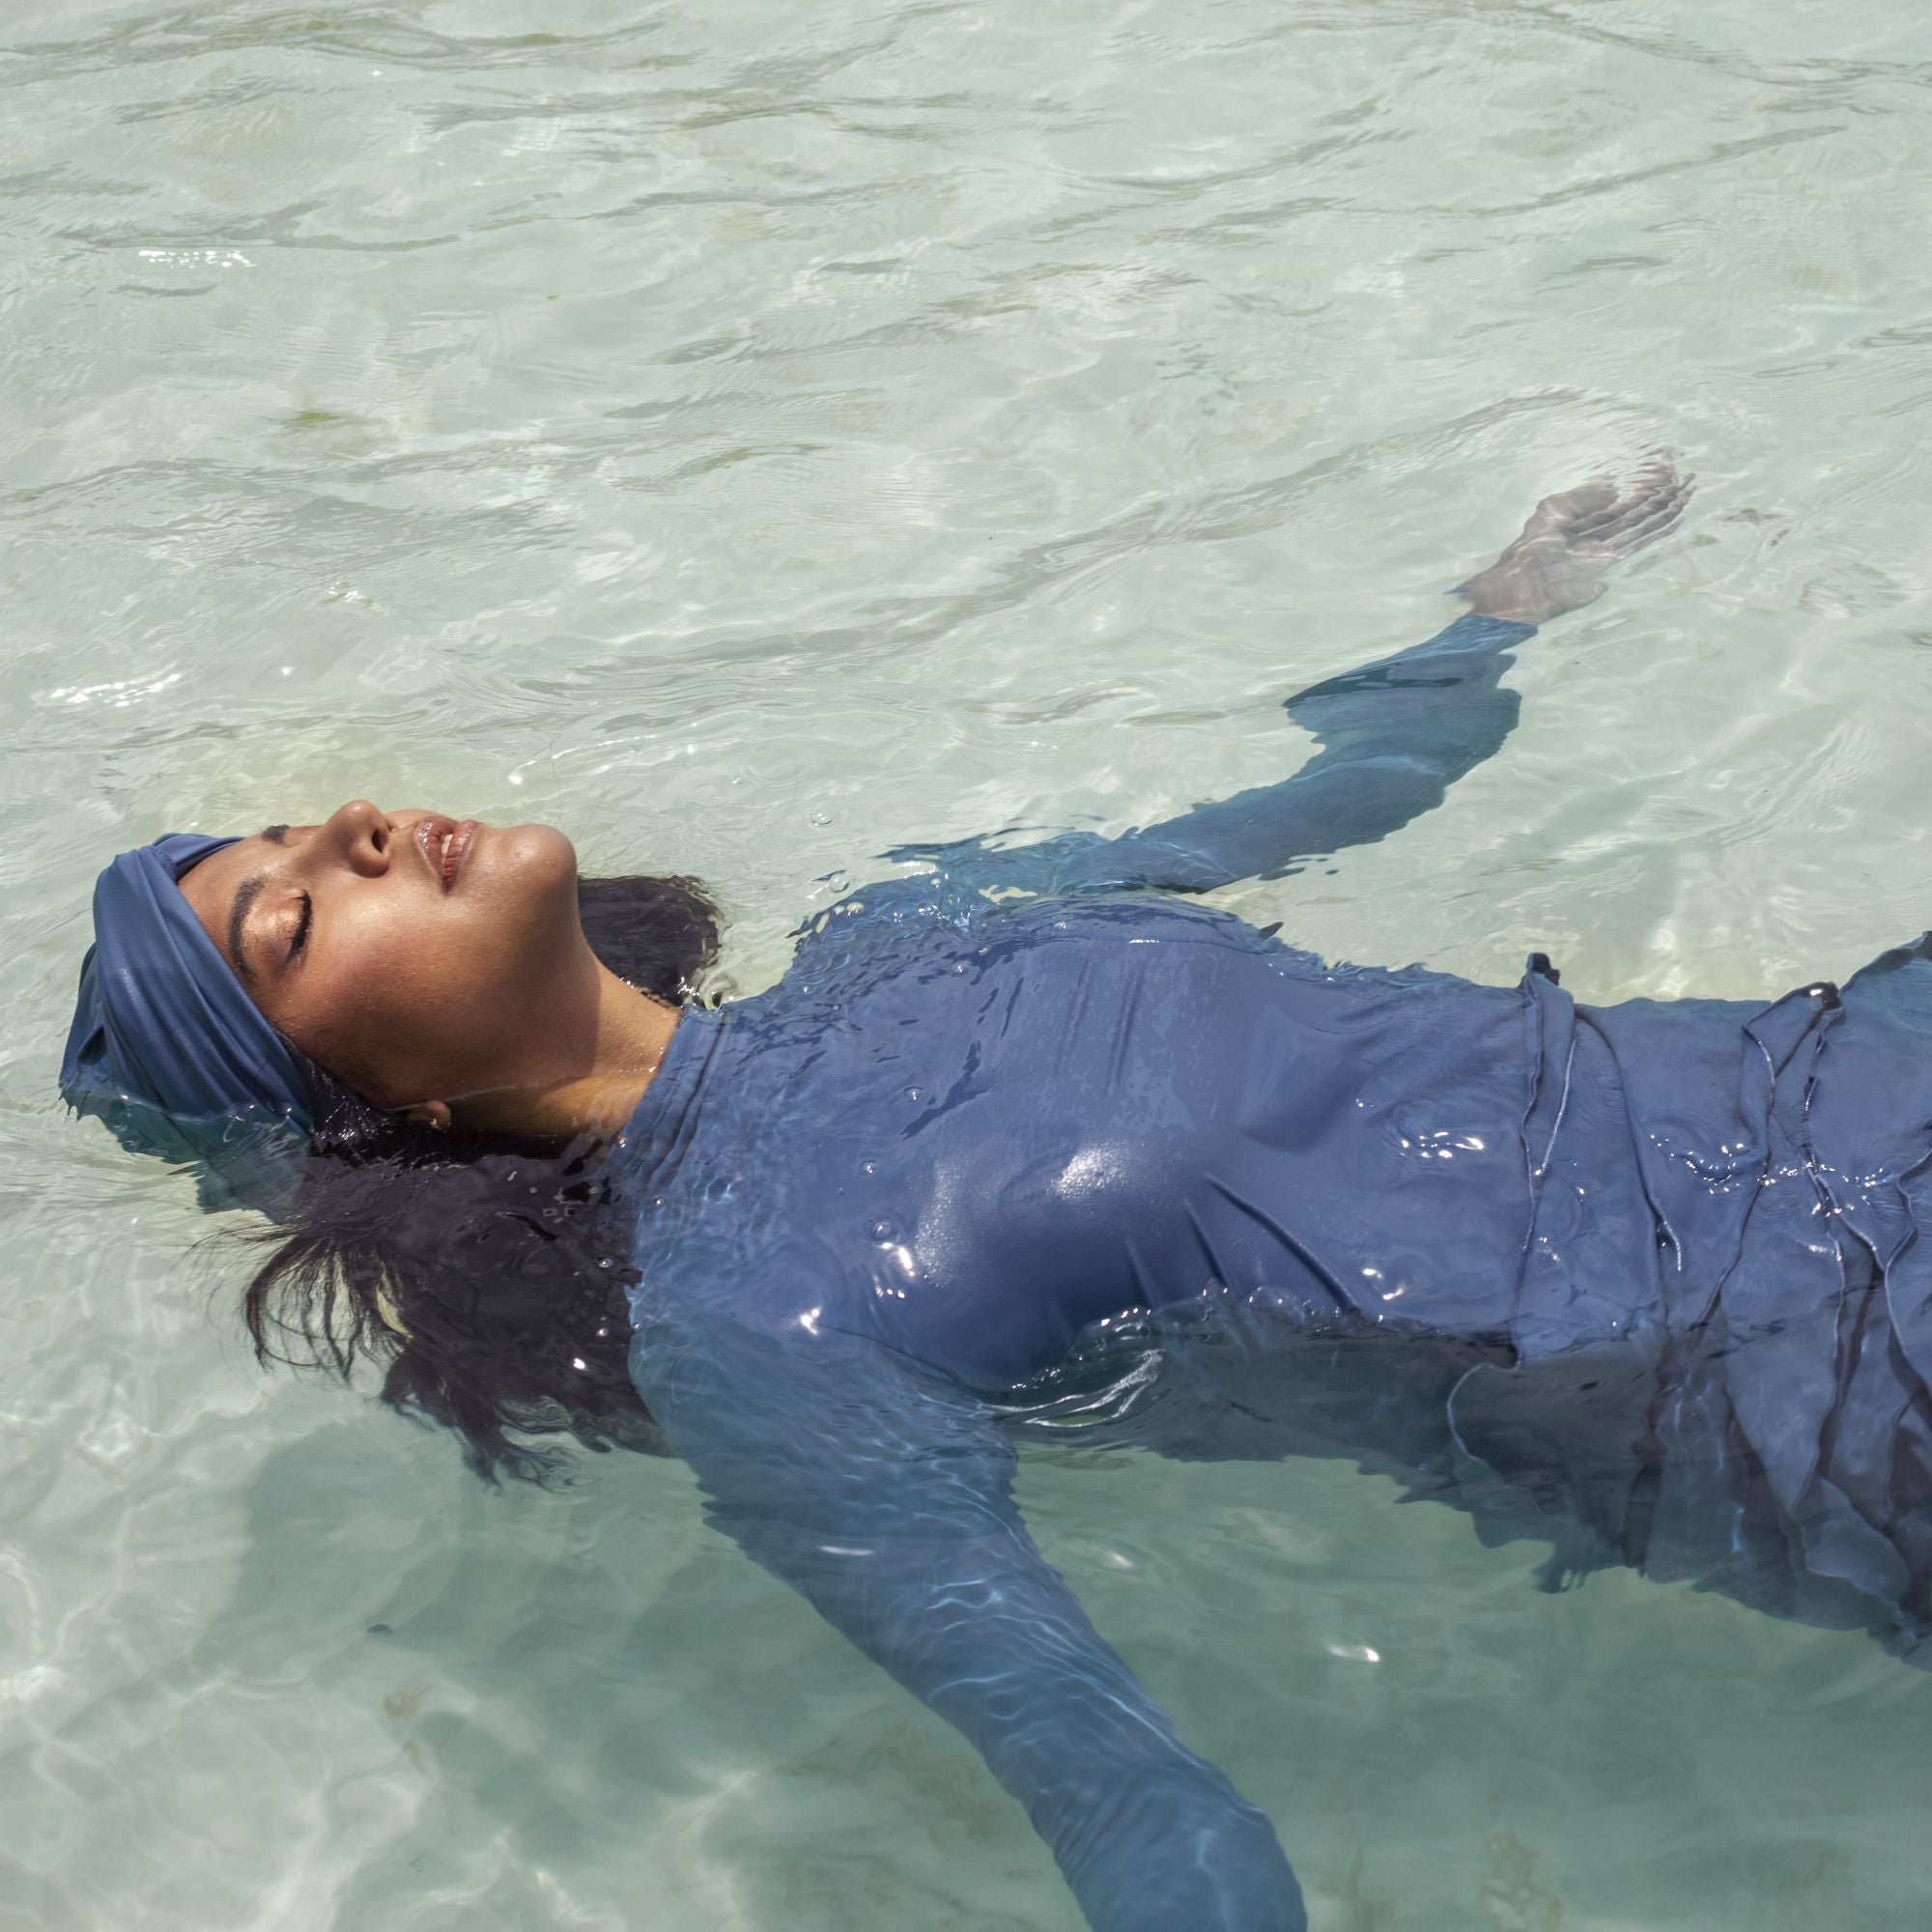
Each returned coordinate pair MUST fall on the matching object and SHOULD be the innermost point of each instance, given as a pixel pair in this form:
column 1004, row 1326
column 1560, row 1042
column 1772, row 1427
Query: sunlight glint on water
column 752, row 436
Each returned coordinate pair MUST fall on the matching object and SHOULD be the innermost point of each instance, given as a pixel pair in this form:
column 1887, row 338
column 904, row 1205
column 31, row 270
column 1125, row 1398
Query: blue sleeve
column 886, row 1500
column 1394, row 736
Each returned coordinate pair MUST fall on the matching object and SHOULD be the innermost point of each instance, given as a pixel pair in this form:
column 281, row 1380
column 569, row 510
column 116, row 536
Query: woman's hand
column 1557, row 563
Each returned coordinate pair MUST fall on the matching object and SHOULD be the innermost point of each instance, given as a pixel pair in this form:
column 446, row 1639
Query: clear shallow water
column 758, row 435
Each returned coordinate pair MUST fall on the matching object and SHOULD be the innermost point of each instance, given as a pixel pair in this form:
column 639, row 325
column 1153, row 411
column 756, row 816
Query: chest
column 1048, row 1140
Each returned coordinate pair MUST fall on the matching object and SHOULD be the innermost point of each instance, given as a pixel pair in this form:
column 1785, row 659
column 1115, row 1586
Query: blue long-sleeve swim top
column 1032, row 1139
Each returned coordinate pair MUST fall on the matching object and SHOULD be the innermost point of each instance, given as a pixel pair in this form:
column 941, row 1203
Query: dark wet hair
column 486, row 1276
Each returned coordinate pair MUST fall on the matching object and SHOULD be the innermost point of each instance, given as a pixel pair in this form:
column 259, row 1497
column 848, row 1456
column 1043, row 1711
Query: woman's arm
column 1394, row 734
column 886, row 1500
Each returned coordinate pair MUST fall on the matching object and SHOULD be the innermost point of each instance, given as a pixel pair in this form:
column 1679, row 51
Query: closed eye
column 302, row 926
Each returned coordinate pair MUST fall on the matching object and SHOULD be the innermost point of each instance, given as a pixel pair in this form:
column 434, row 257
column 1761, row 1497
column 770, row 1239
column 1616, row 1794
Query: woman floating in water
column 1025, row 1136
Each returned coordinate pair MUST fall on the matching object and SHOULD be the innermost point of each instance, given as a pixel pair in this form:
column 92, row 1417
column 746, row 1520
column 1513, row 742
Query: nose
column 359, row 834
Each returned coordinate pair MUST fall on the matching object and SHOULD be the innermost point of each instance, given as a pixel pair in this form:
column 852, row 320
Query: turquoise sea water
column 750, row 435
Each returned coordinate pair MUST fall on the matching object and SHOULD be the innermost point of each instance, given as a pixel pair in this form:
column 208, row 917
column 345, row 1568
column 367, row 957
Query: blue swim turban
column 168, row 1049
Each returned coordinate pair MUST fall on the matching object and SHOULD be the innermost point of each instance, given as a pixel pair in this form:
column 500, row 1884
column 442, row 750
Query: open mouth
column 445, row 843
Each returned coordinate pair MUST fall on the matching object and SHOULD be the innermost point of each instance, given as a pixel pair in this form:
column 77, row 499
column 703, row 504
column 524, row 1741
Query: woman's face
column 413, row 956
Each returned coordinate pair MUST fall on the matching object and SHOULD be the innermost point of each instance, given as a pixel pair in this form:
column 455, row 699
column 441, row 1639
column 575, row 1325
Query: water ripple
column 756, row 438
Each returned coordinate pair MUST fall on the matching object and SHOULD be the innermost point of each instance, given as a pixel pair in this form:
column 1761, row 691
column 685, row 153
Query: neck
column 628, row 1034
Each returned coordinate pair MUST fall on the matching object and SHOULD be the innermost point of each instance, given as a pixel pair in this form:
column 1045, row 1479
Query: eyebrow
column 245, row 896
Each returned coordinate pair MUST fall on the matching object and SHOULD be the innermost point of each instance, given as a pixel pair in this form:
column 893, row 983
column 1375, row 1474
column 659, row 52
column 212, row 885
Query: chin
column 529, row 862
column 544, row 845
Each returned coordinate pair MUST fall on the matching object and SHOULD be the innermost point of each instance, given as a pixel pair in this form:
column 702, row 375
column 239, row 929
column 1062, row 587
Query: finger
column 1660, row 523
column 1646, row 478
column 1565, row 506
column 1669, row 504
column 1639, row 532
column 1612, row 515
column 1632, row 509
column 1645, row 487
column 1651, row 533
column 1679, row 493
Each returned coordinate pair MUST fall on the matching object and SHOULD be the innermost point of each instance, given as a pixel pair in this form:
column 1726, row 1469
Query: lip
column 444, row 843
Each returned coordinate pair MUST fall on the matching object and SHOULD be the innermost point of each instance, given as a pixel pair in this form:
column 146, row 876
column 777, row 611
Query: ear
column 431, row 1113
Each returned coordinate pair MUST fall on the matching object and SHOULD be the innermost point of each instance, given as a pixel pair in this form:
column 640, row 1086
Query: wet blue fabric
column 961, row 1140
column 1025, row 1148
column 167, row 1048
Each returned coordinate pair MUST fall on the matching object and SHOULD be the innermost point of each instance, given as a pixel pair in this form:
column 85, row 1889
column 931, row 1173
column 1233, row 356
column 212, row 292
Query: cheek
column 385, row 1011
column 402, row 1007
